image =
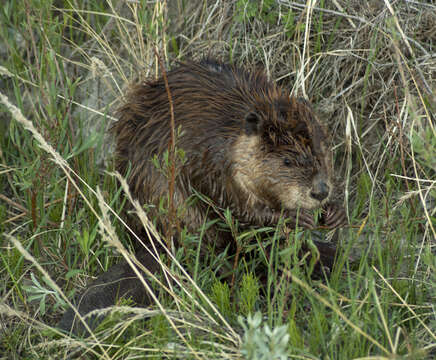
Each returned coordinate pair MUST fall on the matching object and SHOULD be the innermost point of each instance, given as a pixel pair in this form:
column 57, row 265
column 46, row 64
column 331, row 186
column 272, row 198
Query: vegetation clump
column 368, row 68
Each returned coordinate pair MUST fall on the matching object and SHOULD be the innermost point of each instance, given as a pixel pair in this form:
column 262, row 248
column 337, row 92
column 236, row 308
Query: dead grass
column 369, row 68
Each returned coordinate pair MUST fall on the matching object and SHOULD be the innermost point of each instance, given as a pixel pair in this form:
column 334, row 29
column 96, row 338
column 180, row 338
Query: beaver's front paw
column 334, row 216
column 303, row 218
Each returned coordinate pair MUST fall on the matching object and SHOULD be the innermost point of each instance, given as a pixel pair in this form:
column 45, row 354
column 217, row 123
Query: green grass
column 369, row 73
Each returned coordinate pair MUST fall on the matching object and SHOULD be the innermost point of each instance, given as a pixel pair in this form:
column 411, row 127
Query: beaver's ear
column 252, row 123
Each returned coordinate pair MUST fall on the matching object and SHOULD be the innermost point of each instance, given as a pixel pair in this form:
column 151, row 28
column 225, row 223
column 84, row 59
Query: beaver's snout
column 320, row 190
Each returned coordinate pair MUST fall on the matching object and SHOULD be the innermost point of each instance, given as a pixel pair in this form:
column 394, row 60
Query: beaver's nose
column 320, row 190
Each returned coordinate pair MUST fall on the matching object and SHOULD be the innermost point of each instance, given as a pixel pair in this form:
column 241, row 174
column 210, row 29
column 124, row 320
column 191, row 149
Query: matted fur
column 249, row 146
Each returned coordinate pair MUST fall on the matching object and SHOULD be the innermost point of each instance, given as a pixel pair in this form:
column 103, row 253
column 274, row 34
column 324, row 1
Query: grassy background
column 369, row 68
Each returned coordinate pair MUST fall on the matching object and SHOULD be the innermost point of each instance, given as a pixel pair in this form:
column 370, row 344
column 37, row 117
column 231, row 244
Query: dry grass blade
column 368, row 68
column 337, row 311
column 430, row 332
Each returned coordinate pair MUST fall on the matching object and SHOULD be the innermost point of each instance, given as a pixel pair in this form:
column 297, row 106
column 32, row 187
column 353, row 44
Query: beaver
column 248, row 147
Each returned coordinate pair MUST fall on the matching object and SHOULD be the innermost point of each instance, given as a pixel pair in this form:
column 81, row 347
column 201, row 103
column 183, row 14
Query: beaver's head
column 282, row 158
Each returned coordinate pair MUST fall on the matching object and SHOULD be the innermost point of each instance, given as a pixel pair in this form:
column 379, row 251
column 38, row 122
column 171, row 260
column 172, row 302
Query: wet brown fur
column 249, row 148
column 237, row 129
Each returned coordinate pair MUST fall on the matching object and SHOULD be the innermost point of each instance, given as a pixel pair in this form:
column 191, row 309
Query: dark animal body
column 248, row 146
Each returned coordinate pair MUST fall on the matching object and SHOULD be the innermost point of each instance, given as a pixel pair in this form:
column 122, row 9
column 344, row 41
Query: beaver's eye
column 287, row 162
